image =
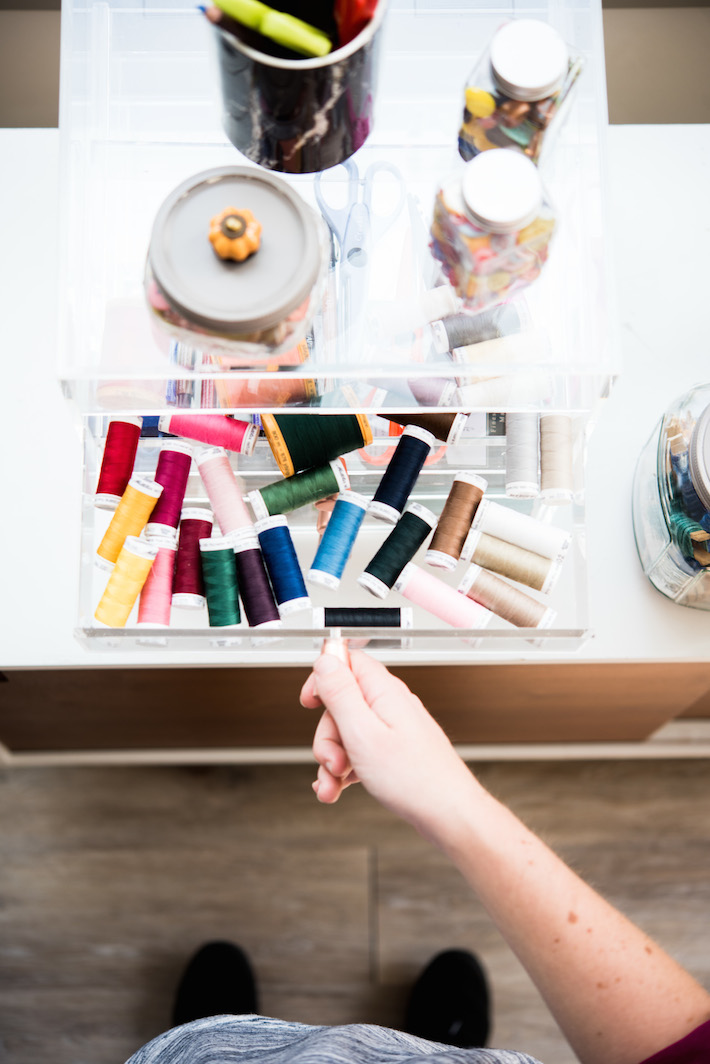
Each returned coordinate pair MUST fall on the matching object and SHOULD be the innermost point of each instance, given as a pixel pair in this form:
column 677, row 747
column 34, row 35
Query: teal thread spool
column 401, row 545
column 284, row 496
column 303, row 441
column 219, row 573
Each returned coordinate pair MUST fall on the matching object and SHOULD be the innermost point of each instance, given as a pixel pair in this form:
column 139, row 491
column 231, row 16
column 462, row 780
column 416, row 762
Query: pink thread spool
column 156, row 595
column 118, row 460
column 188, row 586
column 224, row 490
column 217, row 430
column 172, row 472
column 433, row 595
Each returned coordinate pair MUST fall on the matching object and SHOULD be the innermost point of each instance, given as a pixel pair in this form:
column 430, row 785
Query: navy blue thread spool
column 282, row 565
column 338, row 539
column 401, row 545
column 359, row 617
column 401, row 474
column 254, row 587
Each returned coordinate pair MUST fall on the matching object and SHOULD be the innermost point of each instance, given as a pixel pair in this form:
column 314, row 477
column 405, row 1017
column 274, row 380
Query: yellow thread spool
column 129, row 574
column 130, row 517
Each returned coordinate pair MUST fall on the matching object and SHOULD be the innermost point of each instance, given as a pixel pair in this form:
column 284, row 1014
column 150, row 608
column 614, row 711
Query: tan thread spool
column 130, row 517
column 556, row 474
column 515, row 562
column 505, row 601
column 455, row 521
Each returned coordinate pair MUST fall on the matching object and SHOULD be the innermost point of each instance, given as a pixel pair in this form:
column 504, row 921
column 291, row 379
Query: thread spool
column 117, row 461
column 312, row 485
column 459, row 509
column 358, row 617
column 445, row 427
column 460, row 330
column 156, row 595
column 518, row 528
column 302, row 441
column 282, row 565
column 433, row 595
column 254, row 587
column 216, row 430
column 124, row 585
column 224, row 490
column 173, row 471
column 556, row 473
column 219, row 572
column 130, row 517
column 401, row 545
column 401, row 474
column 505, row 601
column 338, row 539
column 512, row 561
column 522, row 455
column 188, row 585
column 432, row 391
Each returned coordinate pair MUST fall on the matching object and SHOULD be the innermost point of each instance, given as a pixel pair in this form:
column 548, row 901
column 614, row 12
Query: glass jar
column 671, row 501
column 492, row 227
column 236, row 266
column 516, row 90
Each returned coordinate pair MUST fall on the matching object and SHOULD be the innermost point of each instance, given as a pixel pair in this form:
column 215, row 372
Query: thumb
column 339, row 692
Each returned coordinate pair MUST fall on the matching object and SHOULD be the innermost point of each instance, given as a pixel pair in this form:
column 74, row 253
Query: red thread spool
column 118, row 460
column 172, row 472
column 217, row 430
column 188, row 586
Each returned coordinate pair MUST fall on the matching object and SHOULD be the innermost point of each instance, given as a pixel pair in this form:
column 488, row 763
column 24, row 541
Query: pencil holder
column 297, row 115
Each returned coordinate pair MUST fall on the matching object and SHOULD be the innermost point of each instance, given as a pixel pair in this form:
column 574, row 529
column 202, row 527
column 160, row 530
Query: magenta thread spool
column 216, row 430
column 425, row 590
column 117, row 461
column 253, row 581
column 173, row 470
column 188, row 585
column 282, row 565
column 156, row 594
column 401, row 474
column 224, row 490
column 338, row 540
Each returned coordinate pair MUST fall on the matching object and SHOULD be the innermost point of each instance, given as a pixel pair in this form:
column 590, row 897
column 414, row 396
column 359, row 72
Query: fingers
column 338, row 690
column 385, row 694
column 309, row 697
column 328, row 788
column 328, row 747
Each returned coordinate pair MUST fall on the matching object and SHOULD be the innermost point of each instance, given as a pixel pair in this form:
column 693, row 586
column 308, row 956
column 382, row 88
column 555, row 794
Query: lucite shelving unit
column 140, row 112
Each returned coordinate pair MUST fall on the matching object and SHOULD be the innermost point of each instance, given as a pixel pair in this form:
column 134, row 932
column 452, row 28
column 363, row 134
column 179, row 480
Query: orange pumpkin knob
column 235, row 233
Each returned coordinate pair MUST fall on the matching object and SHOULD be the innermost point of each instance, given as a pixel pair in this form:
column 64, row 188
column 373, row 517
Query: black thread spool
column 302, row 441
column 362, row 617
column 401, row 474
column 254, row 587
column 401, row 545
column 444, row 426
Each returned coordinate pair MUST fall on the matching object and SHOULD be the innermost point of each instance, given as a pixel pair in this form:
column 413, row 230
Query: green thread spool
column 303, row 441
column 283, row 496
column 219, row 573
column 401, row 545
column 682, row 529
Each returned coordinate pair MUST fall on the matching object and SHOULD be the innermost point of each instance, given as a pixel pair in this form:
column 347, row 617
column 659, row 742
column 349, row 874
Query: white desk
column 660, row 263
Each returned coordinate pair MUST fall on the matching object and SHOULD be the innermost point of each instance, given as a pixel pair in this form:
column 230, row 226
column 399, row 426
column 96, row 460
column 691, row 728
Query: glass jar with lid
column 671, row 501
column 516, row 90
column 491, row 228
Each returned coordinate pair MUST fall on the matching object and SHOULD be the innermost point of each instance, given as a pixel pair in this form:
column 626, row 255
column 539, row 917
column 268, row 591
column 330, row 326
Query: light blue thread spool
column 338, row 540
column 282, row 565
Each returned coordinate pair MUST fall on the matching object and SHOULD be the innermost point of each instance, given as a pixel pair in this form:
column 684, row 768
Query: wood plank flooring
column 110, row 878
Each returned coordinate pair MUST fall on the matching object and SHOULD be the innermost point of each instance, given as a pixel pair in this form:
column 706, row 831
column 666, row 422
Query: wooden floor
column 109, row 878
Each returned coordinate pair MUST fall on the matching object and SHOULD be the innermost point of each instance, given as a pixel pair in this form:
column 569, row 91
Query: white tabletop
column 658, row 218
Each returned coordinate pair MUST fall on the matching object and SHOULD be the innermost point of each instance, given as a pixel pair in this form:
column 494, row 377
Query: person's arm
column 617, row 996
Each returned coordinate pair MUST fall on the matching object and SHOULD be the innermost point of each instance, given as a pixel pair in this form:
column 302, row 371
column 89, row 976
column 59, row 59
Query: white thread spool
column 556, row 469
column 522, row 455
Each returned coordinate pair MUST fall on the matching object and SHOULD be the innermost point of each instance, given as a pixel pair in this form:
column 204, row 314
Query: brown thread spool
column 556, row 475
column 455, row 521
column 446, row 427
column 512, row 561
column 505, row 601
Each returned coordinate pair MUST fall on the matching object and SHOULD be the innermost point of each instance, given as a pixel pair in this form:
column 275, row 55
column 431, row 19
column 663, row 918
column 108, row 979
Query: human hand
column 375, row 731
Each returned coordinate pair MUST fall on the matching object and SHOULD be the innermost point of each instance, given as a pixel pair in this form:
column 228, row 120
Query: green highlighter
column 286, row 30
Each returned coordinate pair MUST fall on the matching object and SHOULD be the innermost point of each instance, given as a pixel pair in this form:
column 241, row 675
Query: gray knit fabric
column 252, row 1039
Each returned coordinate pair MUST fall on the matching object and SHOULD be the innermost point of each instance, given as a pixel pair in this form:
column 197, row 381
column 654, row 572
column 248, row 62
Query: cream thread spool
column 507, row 602
column 515, row 527
column 556, row 467
column 455, row 521
column 512, row 561
column 129, row 574
column 522, row 455
column 129, row 518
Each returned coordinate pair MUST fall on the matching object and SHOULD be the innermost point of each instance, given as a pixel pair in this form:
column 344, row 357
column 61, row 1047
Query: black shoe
column 218, row 981
column 450, row 1001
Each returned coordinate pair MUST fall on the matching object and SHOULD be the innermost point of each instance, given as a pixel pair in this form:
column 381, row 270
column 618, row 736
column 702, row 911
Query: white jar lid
column 699, row 457
column 529, row 59
column 502, row 190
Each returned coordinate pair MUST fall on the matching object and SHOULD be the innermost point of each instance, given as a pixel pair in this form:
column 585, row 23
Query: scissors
column 357, row 227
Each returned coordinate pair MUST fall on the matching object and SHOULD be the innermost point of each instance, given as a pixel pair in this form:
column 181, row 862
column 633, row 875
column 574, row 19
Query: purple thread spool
column 173, row 470
column 254, row 587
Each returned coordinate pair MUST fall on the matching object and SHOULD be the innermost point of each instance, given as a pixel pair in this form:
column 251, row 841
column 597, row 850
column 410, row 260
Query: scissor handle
column 383, row 219
column 337, row 217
